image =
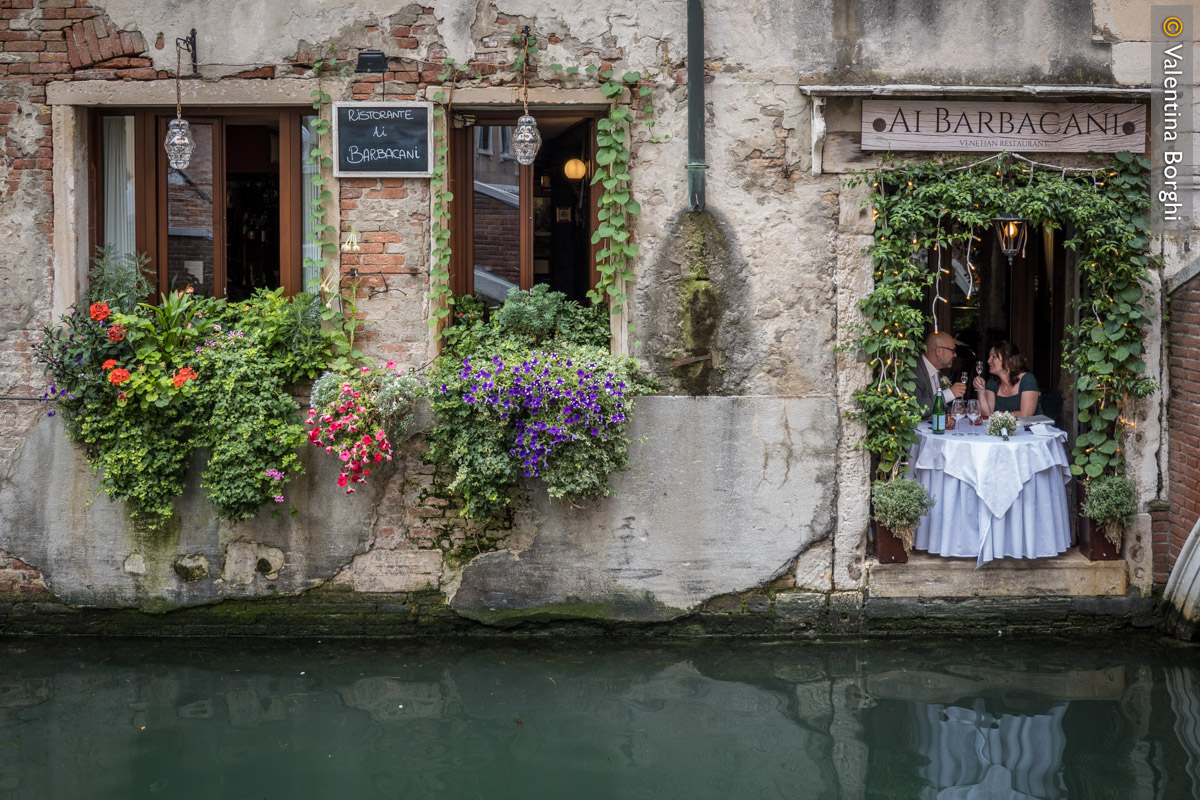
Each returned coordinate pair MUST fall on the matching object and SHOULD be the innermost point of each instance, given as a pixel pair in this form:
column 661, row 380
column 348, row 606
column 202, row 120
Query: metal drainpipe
column 695, row 64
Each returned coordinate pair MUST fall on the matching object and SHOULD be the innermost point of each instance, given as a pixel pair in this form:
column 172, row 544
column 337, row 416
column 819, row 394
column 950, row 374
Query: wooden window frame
column 460, row 182
column 150, row 187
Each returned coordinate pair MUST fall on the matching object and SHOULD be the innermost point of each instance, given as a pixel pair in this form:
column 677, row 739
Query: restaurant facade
column 368, row 151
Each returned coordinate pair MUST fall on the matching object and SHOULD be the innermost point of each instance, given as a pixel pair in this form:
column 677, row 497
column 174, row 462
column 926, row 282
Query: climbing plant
column 323, row 235
column 932, row 205
column 441, row 297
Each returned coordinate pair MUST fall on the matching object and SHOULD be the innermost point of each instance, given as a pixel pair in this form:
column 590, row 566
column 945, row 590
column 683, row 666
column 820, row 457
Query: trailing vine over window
column 441, row 297
column 934, row 205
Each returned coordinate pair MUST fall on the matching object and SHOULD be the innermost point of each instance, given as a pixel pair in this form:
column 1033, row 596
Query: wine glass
column 958, row 410
column 973, row 412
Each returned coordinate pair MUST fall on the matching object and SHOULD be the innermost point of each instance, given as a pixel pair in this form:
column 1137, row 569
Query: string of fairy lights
column 1012, row 231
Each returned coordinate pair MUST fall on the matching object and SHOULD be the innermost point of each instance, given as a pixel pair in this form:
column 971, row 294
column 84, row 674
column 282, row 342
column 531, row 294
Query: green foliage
column 441, row 297
column 322, row 234
column 1111, row 503
column 249, row 423
column 614, row 257
column 526, row 392
column 932, row 205
column 541, row 314
column 119, row 278
column 141, row 391
column 899, row 505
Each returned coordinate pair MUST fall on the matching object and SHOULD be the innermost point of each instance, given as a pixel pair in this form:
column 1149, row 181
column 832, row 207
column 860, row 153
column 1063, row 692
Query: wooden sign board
column 954, row 125
column 383, row 140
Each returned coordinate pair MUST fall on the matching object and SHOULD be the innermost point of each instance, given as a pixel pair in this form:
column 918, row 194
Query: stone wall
column 751, row 492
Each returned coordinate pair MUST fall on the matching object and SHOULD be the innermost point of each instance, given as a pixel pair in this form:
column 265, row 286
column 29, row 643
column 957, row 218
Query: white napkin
column 1046, row 429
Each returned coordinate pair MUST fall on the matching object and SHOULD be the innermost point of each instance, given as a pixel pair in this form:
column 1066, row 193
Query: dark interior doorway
column 251, row 206
column 989, row 301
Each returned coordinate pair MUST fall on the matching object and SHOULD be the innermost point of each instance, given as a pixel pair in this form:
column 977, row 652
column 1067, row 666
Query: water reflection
column 596, row 719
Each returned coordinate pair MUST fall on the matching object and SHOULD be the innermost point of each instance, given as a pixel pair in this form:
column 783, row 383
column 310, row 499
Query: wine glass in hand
column 979, row 383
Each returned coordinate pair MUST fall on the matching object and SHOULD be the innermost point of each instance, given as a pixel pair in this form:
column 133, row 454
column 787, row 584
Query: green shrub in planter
column 1111, row 503
column 898, row 505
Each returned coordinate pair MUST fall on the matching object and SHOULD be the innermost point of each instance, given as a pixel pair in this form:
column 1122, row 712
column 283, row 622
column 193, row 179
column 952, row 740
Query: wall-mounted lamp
column 179, row 143
column 1012, row 232
column 575, row 169
column 371, row 61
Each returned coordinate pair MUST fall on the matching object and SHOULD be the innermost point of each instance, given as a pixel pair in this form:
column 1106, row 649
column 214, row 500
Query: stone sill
column 940, row 90
column 1069, row 575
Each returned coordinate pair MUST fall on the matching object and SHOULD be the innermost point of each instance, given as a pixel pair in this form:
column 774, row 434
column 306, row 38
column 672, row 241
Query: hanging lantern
column 1012, row 233
column 526, row 141
column 179, row 143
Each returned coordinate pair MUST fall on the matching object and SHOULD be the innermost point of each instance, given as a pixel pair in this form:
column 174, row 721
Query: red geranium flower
column 183, row 376
column 112, row 362
column 116, row 333
column 99, row 311
column 118, row 376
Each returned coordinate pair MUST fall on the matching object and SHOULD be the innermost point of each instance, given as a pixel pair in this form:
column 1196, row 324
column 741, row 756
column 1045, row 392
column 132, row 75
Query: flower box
column 888, row 547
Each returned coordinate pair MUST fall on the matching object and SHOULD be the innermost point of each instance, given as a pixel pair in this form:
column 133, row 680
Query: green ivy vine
column 617, row 204
column 441, row 297
column 322, row 234
column 933, row 205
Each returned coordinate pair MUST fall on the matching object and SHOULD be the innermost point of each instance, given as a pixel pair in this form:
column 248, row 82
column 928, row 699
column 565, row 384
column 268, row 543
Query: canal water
column 535, row 718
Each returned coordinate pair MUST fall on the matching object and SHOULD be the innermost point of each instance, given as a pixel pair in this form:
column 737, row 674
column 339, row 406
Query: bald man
column 939, row 355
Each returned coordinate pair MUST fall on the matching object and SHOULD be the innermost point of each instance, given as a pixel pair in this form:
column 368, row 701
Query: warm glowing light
column 575, row 169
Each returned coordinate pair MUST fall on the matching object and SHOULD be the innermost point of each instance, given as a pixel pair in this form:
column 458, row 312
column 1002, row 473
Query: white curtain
column 119, row 224
column 308, row 192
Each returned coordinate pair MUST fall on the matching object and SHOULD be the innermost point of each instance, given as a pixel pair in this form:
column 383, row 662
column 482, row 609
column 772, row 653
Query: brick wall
column 1183, row 425
column 497, row 237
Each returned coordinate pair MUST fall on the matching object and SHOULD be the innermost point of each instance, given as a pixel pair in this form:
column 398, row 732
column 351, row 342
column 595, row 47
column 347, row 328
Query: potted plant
column 1107, row 507
column 897, row 506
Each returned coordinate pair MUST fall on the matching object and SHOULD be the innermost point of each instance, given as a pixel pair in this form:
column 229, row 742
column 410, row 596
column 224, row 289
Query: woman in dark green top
column 1010, row 388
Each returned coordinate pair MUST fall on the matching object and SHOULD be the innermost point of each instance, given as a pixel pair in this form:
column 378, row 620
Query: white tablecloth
column 993, row 499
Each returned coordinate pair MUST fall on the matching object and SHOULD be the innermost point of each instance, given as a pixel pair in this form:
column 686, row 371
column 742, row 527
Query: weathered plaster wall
column 764, row 488
column 55, row 519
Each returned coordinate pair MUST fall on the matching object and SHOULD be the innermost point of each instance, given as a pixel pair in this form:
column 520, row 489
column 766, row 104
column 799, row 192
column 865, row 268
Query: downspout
column 695, row 64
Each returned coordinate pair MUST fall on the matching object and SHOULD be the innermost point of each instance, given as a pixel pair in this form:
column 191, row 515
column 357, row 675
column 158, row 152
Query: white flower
column 1002, row 423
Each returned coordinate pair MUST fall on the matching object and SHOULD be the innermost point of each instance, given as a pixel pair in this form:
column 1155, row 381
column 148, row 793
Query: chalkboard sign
column 383, row 140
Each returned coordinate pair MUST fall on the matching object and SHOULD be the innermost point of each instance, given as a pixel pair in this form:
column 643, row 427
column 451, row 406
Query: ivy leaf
column 605, row 156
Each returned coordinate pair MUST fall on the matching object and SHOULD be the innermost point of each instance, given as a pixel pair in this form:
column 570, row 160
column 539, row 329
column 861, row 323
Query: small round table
column 993, row 498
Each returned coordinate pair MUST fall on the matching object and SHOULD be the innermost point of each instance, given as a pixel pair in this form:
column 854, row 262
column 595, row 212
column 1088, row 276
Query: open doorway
column 989, row 300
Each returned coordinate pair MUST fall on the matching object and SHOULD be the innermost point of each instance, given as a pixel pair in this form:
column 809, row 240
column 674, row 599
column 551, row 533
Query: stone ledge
column 1069, row 575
